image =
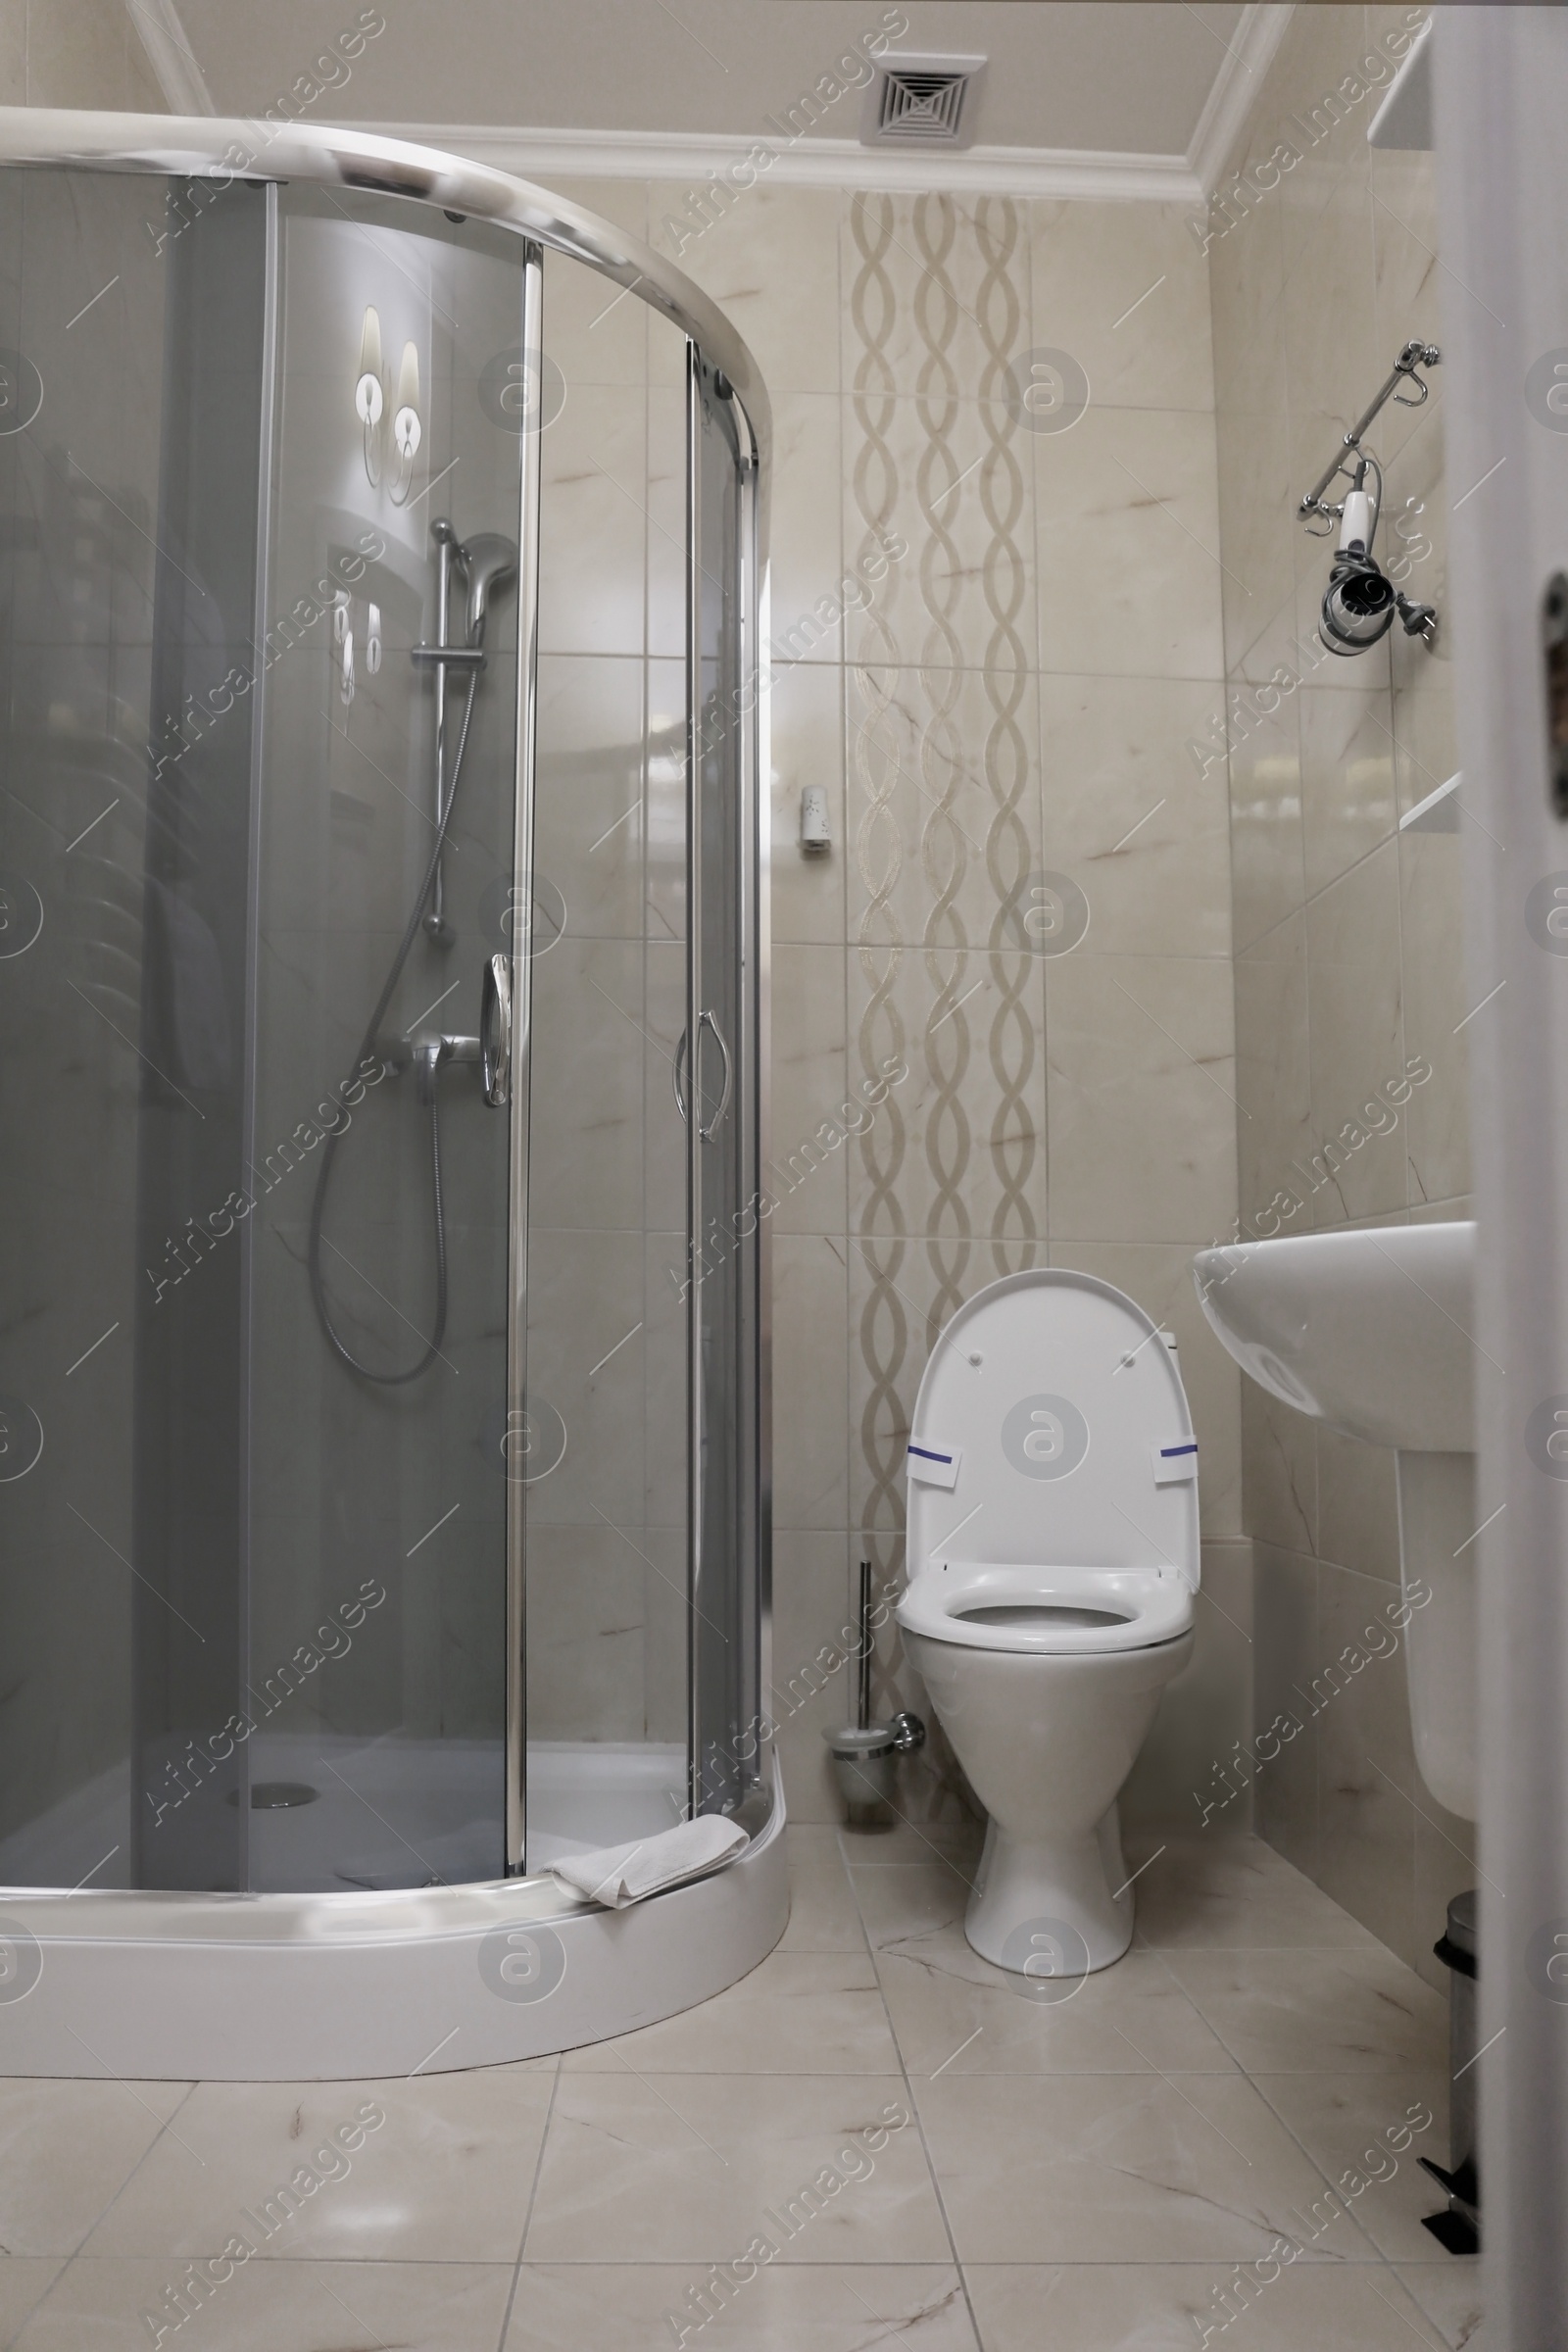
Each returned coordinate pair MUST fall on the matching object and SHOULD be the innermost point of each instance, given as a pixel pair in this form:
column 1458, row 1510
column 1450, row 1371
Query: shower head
column 490, row 561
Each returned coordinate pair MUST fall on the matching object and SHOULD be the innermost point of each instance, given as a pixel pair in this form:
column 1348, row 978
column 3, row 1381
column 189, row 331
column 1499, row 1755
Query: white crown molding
column 1236, row 88
column 814, row 163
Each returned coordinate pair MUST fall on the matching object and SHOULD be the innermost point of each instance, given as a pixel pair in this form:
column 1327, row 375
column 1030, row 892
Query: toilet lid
column 1051, row 1426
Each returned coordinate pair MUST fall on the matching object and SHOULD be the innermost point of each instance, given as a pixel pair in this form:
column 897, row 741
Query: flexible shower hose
column 433, row 1345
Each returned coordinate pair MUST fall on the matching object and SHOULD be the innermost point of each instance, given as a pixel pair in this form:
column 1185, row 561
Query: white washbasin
column 1368, row 1331
column 1371, row 1332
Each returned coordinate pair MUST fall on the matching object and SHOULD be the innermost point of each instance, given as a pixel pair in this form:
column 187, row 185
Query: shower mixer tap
column 426, row 1052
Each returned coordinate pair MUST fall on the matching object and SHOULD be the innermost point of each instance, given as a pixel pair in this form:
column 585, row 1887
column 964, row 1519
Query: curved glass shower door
column 382, row 1462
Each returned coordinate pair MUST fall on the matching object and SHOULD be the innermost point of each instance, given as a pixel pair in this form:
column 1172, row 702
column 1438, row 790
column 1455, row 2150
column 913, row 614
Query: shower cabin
column 384, row 1354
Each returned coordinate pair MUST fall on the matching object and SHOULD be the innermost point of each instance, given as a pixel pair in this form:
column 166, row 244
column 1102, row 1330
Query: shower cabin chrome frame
column 325, row 2035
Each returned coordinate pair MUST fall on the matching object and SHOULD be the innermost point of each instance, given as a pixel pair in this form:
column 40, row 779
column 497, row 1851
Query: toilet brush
column 865, row 1753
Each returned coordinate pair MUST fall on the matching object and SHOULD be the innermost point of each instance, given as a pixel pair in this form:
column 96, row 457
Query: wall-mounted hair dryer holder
column 1361, row 602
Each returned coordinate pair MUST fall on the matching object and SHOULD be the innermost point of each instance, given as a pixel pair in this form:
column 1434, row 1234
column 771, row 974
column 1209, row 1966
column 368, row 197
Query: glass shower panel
column 720, row 1064
column 606, row 1493
column 131, row 314
column 376, row 1671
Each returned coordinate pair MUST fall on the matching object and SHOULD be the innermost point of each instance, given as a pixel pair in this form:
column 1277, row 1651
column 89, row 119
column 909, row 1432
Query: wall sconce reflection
column 371, row 403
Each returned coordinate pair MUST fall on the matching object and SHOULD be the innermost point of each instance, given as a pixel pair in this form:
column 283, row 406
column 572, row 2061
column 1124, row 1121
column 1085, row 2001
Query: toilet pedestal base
column 1051, row 1909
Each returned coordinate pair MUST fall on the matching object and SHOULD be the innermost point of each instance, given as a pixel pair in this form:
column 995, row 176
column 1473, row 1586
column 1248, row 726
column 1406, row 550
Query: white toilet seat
column 1048, row 1612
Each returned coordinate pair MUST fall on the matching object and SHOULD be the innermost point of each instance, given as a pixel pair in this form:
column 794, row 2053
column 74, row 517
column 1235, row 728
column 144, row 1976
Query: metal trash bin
column 1458, row 2227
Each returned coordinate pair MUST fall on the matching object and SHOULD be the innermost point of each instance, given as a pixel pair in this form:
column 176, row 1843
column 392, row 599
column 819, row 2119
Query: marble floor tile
column 1123, row 2167
column 98, row 2306
column 955, row 1841
column 446, row 2177
column 24, row 2282
column 66, row 2151
column 1165, row 2307
column 691, row 2167
column 1238, row 1894
column 797, row 2013
column 1345, row 2122
column 824, row 1916
column 1448, row 2292
column 1312, row 2012
column 908, row 1899
column 801, row 2307
column 951, row 2010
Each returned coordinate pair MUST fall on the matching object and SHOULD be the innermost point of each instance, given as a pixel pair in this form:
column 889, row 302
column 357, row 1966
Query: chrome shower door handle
column 495, row 1032
column 706, row 1020
column 674, row 1072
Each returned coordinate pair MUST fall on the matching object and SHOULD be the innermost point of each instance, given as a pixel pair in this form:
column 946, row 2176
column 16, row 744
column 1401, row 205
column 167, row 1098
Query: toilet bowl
column 1051, row 1565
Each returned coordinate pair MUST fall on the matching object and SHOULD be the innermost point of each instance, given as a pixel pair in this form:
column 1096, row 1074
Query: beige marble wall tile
column 1285, row 1792
column 585, row 1165
column 592, row 524
column 1368, row 1786
column 811, row 1416
column 1258, row 489
column 1267, row 862
column 806, row 728
column 1279, row 1450
column 1141, row 1098
column 586, row 1291
column 812, row 1689
column 663, row 1339
column 1206, row 1711
column 956, row 1148
column 1413, row 291
column 770, row 261
column 1122, row 287
column 808, row 1166
column 663, row 491
column 1356, row 1003
column 1447, row 1864
column 1347, row 764
column 1358, row 1525
column 14, row 53
column 1440, row 990
column 88, row 55
column 945, row 490
column 585, row 1633
column 934, row 296
column 1134, row 816
column 593, row 337
column 943, row 825
column 1273, row 1082
column 1129, row 497
column 806, row 554
column 589, row 822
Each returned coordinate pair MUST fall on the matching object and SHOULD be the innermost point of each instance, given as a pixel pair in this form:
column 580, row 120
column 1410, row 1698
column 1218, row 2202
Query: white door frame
column 1502, row 165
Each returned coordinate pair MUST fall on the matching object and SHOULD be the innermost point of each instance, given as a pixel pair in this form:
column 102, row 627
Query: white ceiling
column 1129, row 77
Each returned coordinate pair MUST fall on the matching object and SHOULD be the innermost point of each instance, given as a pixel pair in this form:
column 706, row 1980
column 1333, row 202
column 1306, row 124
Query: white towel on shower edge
column 619, row 1875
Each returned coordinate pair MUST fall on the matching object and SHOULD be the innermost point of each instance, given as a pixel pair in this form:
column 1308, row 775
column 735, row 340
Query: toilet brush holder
column 865, row 1765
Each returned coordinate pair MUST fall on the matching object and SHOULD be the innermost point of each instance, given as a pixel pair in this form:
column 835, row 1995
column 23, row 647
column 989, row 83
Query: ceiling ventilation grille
column 922, row 102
